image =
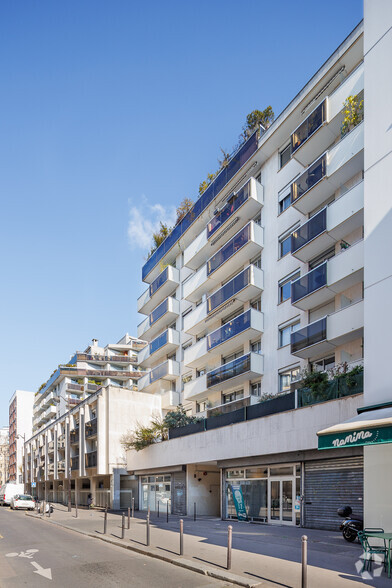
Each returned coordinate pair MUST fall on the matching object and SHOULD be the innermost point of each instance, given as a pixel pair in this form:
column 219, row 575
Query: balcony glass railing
column 228, row 370
column 231, row 329
column 309, row 230
column 91, row 428
column 159, row 372
column 158, row 282
column 158, row 342
column 233, row 203
column 225, row 175
column 91, row 459
column 229, row 290
column 75, row 462
column 310, row 282
column 159, row 311
column 310, row 335
column 231, row 247
column 309, row 178
column 308, row 127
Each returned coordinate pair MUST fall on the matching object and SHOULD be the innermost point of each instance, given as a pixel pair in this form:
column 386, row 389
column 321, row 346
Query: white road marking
column 28, row 553
column 45, row 572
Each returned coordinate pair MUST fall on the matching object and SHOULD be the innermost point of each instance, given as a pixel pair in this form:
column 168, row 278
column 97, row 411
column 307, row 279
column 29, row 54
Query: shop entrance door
column 280, row 501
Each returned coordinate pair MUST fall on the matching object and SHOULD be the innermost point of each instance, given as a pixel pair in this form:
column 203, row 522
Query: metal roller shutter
column 330, row 484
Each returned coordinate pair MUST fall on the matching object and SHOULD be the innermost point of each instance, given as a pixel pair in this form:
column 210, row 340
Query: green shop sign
column 360, row 437
column 238, row 499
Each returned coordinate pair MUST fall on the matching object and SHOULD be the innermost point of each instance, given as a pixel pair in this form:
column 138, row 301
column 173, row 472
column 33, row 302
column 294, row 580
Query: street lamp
column 23, row 436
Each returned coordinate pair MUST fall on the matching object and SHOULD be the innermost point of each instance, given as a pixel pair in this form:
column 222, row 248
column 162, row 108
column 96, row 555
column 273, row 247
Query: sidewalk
column 262, row 555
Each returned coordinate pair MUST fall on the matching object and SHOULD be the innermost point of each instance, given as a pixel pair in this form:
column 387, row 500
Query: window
column 186, row 378
column 185, row 346
column 201, row 406
column 284, row 203
column 257, row 219
column 256, row 261
column 256, row 347
column 285, row 286
column 321, row 258
column 285, row 332
column 284, row 246
column 255, row 389
column 232, row 396
column 284, row 156
column 256, row 304
column 287, row 377
column 201, row 372
column 322, row 365
column 231, row 357
column 184, row 315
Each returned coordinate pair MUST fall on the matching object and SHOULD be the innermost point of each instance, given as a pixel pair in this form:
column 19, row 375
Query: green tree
column 256, row 117
column 159, row 237
column 183, row 209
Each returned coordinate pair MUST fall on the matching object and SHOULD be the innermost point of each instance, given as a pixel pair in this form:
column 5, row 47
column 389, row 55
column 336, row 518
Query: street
column 35, row 554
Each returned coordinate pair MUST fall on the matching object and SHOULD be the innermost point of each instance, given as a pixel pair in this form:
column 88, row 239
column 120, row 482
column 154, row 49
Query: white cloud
column 144, row 220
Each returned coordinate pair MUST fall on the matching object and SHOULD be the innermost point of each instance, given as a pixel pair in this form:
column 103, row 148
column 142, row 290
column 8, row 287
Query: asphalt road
column 33, row 553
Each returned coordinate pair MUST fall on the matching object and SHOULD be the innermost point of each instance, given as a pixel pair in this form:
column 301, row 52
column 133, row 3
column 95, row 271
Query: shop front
column 155, row 492
column 266, row 494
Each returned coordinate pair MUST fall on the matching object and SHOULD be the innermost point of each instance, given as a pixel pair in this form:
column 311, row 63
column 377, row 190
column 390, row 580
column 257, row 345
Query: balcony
column 51, row 447
column 165, row 344
column 61, row 466
column 237, row 210
column 160, row 318
column 322, row 126
column 74, row 436
column 75, row 462
column 324, row 335
column 61, row 442
column 326, row 175
column 91, row 428
column 247, row 243
column 164, row 285
column 166, row 252
column 91, row 459
column 236, row 372
column 245, row 286
column 170, row 400
column 160, row 378
column 329, row 226
column 196, row 389
column 332, row 277
column 236, row 332
column 229, row 407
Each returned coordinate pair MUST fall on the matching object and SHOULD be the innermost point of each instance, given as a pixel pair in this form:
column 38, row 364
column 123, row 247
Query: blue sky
column 112, row 113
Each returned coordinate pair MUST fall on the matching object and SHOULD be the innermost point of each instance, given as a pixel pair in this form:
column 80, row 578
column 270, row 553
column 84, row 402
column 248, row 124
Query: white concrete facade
column 264, row 281
column 378, row 239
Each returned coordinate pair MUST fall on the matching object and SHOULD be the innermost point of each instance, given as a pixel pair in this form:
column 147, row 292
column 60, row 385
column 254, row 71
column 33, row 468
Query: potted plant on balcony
column 352, row 113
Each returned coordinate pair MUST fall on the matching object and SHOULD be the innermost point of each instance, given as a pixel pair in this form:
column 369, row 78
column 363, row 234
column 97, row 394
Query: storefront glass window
column 235, row 473
column 285, row 471
column 256, row 472
column 254, row 493
column 156, row 491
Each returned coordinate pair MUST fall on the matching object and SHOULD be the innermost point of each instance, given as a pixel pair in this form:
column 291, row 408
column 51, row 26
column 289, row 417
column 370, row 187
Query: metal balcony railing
column 308, row 127
column 229, row 249
column 228, row 370
column 309, row 230
column 228, row 210
column 310, row 282
column 238, row 283
column 309, row 335
column 309, row 178
column 229, row 330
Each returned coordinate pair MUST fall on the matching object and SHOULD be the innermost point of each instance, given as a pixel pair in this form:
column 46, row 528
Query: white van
column 7, row 491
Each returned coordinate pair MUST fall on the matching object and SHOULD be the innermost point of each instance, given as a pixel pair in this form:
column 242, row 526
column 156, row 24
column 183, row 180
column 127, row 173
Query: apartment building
column 4, row 454
column 263, row 279
column 69, row 384
column 78, row 452
column 20, row 418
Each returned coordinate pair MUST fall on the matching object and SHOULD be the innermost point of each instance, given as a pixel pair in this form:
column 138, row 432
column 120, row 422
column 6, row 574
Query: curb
column 152, row 552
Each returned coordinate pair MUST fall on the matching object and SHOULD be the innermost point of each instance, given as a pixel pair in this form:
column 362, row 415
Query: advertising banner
column 239, row 503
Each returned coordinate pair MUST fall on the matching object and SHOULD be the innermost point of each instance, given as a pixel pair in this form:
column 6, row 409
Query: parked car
column 22, row 501
column 7, row 491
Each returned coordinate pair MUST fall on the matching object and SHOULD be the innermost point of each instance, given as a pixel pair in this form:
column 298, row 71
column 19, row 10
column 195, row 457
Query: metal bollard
column 122, row 525
column 43, row 508
column 76, row 508
column 181, row 537
column 148, row 511
column 129, row 518
column 304, row 560
column 194, row 511
column 49, row 510
column 133, row 507
column 148, row 531
column 167, row 511
column 229, row 543
column 158, row 509
column 105, row 521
